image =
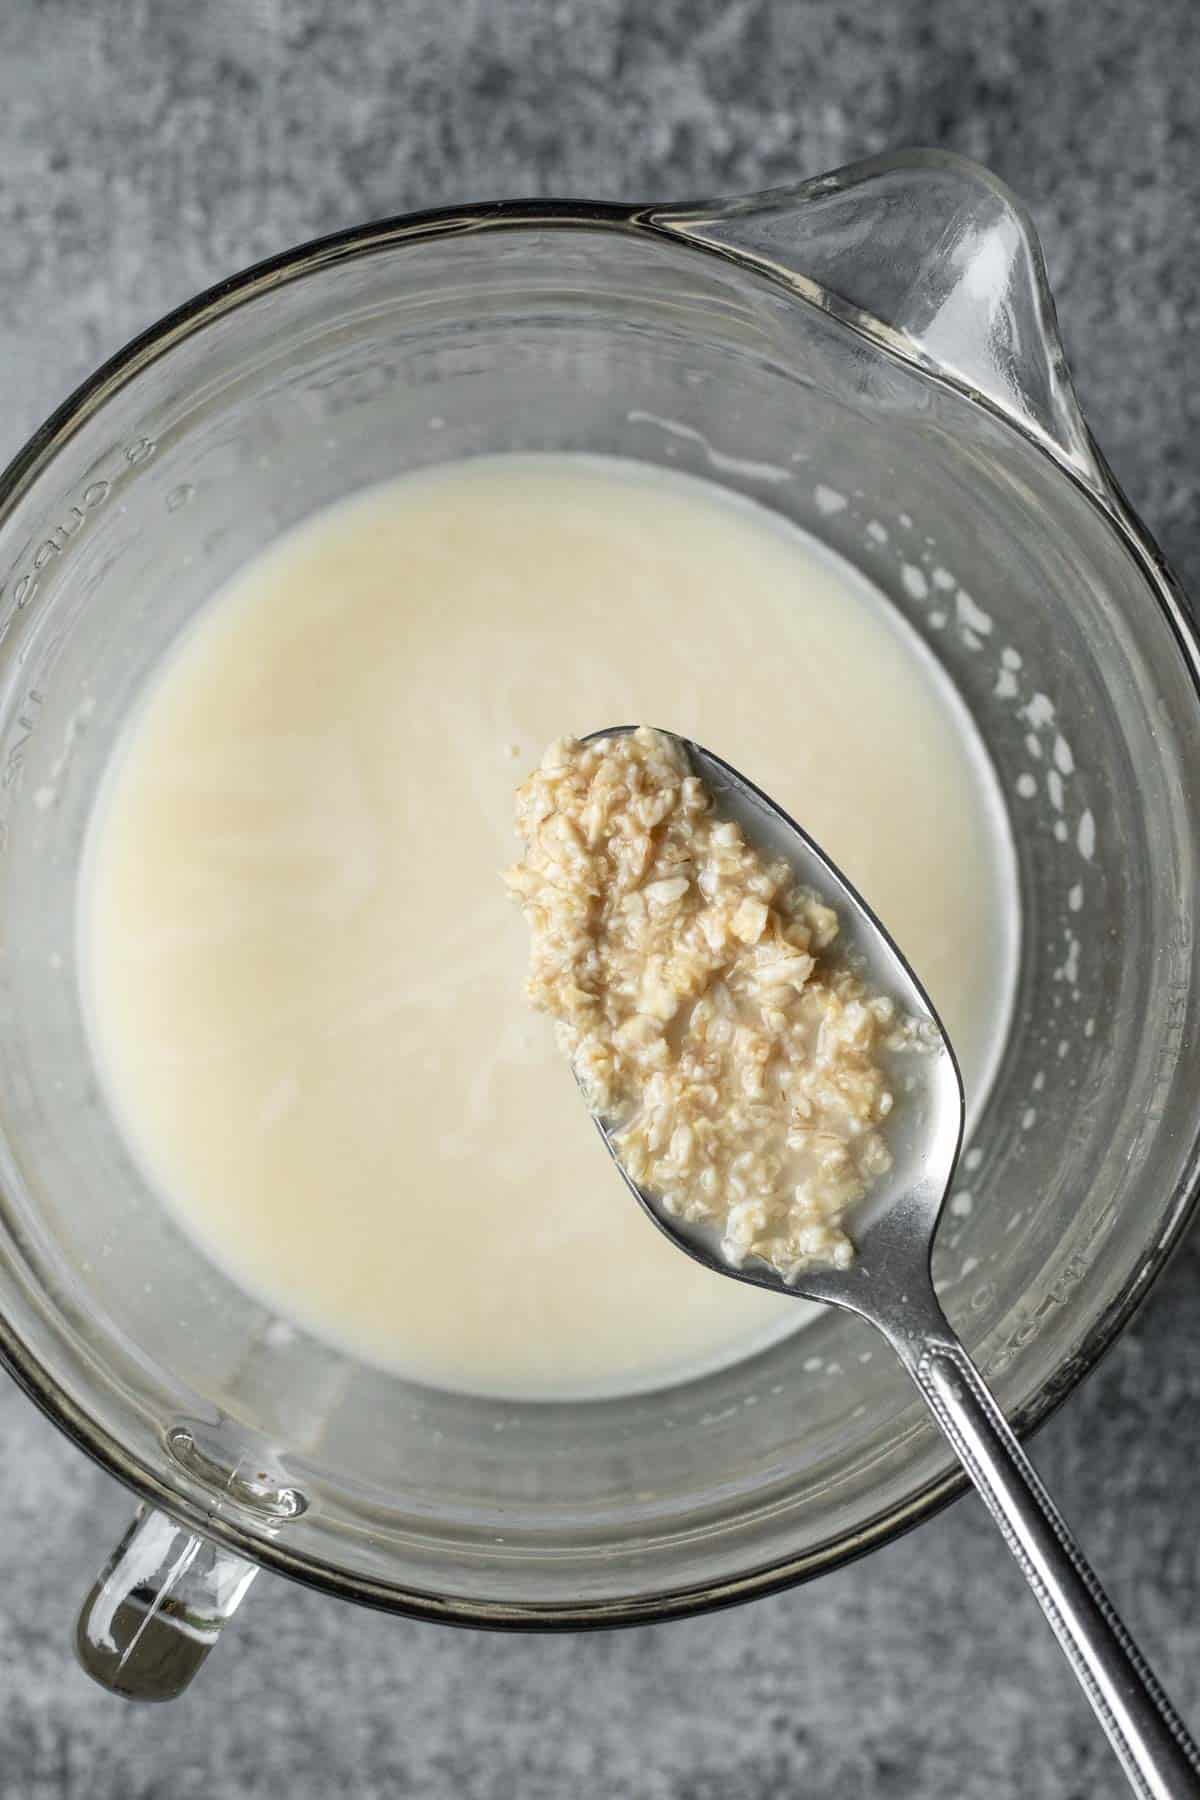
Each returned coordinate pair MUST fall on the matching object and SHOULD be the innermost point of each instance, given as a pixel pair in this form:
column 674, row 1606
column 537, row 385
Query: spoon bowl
column 890, row 1285
column 925, row 1131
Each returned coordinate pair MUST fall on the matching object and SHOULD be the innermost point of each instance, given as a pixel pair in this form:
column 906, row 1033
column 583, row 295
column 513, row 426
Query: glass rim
column 640, row 221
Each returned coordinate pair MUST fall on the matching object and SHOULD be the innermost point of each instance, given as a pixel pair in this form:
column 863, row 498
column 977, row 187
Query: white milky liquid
column 303, row 975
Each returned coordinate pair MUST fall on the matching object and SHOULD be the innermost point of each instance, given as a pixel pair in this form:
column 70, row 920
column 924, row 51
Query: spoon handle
column 1158, row 1756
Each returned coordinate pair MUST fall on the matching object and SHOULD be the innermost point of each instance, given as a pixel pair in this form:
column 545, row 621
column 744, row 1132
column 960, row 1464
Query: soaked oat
column 697, row 990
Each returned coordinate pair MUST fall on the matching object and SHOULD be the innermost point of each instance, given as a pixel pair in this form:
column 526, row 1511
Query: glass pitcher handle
column 157, row 1607
column 933, row 257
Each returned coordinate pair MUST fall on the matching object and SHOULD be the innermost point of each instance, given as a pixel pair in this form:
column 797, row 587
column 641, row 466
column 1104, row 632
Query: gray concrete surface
column 147, row 148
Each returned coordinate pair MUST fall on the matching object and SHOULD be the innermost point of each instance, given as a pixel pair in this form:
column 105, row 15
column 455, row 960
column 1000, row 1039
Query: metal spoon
column 889, row 1284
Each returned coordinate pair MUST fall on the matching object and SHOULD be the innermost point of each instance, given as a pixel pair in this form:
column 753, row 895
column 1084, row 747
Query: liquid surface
column 304, row 977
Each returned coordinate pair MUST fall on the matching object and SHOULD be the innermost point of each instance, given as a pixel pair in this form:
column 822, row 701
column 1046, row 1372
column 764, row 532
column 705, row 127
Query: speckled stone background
column 150, row 146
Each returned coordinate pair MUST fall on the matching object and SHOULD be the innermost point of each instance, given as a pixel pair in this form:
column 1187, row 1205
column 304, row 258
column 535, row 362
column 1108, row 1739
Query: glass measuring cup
column 873, row 348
